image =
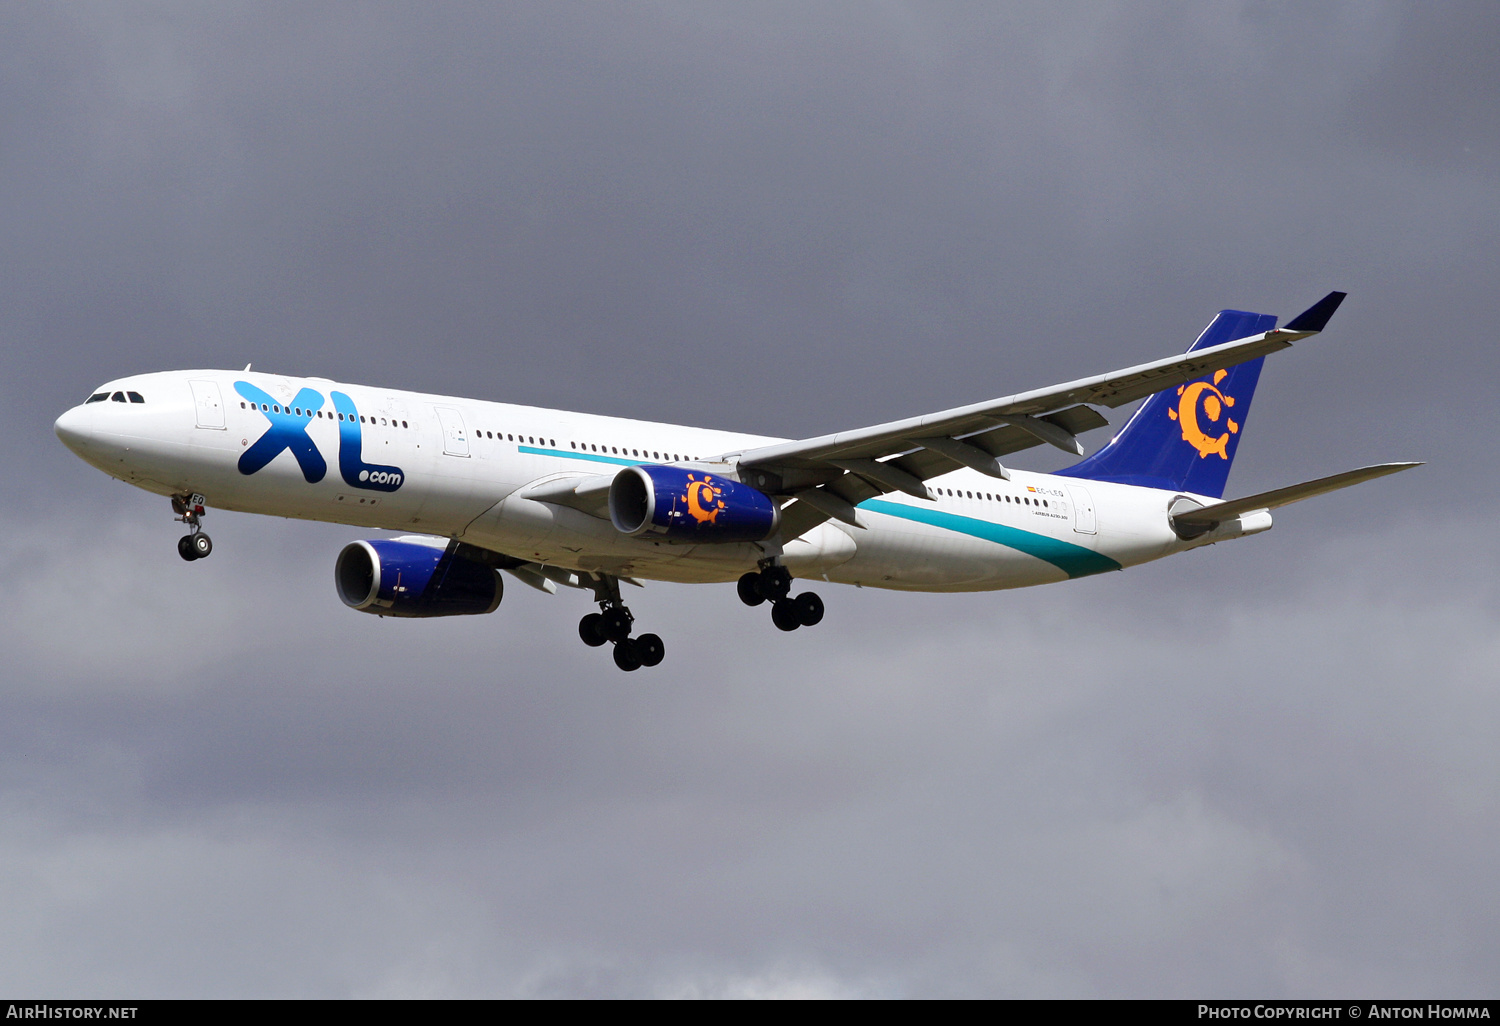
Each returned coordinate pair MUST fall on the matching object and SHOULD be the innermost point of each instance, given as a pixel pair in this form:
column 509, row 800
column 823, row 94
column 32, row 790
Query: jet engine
column 689, row 506
column 414, row 577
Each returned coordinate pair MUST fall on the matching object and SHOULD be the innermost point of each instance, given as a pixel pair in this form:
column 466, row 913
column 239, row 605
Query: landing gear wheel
column 809, row 608
column 784, row 615
column 591, row 630
column 189, row 510
column 748, row 588
column 616, row 623
column 649, row 649
column 627, row 657
column 773, row 583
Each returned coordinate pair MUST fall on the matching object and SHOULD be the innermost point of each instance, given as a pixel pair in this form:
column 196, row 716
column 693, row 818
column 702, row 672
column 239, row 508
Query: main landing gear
column 195, row 544
column 613, row 624
column 773, row 583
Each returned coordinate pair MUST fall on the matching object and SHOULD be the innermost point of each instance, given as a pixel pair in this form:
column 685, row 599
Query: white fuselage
column 460, row 468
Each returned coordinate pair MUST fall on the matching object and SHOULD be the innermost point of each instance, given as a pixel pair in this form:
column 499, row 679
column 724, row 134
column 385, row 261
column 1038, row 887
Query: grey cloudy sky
column 1267, row 768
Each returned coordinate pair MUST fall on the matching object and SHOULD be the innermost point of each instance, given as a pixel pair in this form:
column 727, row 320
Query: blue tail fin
column 1185, row 438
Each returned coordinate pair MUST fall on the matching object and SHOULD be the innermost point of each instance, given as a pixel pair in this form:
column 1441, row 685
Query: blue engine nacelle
column 689, row 506
column 414, row 577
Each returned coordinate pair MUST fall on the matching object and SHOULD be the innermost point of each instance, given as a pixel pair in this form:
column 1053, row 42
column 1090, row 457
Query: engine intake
column 414, row 577
column 690, row 506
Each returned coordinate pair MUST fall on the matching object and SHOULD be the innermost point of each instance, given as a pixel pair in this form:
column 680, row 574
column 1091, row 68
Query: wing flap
column 1007, row 438
column 799, row 517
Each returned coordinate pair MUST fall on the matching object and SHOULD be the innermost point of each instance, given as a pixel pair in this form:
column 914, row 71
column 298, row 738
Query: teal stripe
column 1073, row 560
column 580, row 456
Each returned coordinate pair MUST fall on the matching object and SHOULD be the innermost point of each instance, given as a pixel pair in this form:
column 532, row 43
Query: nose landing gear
column 613, row 624
column 773, row 583
column 195, row 544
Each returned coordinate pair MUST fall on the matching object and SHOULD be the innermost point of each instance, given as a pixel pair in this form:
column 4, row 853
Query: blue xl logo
column 288, row 431
column 355, row 472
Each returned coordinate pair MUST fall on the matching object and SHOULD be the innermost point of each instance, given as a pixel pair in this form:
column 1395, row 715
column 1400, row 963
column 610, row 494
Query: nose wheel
column 773, row 583
column 613, row 624
column 195, row 544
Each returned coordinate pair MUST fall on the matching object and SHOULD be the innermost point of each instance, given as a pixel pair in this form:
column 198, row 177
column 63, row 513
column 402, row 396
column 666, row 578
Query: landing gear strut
column 195, row 544
column 773, row 583
column 613, row 624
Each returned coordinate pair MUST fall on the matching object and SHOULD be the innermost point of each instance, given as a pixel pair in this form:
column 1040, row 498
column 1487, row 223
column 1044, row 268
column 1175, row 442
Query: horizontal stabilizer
column 1219, row 512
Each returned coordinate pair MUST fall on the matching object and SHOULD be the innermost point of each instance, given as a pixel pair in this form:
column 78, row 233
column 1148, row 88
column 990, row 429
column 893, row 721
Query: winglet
column 1317, row 316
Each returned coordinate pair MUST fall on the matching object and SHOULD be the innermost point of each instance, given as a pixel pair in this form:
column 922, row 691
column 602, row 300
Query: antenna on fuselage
column 246, row 370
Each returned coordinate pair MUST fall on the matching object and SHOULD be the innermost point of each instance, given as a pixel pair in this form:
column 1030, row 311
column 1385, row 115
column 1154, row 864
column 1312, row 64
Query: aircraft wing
column 831, row 474
column 587, row 493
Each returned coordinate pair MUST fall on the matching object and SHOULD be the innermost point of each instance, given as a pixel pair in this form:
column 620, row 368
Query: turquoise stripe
column 581, row 456
column 1073, row 560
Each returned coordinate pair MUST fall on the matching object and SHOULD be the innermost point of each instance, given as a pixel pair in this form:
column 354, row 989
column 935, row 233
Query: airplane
column 590, row 502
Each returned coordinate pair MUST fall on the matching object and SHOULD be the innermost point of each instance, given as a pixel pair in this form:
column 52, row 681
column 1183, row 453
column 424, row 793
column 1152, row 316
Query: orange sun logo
column 702, row 498
column 1213, row 404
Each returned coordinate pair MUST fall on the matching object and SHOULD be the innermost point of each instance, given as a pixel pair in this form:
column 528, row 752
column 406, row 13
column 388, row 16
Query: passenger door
column 208, row 405
column 1084, row 521
column 455, row 436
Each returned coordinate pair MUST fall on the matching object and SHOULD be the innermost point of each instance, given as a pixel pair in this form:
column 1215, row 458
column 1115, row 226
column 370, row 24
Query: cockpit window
column 97, row 397
column 118, row 397
column 136, row 397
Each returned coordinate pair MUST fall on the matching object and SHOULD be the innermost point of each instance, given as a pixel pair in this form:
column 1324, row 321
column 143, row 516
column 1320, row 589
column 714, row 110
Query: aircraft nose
column 73, row 428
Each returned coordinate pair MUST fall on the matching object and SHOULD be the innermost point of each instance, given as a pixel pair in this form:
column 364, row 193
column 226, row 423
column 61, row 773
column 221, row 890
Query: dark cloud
column 1259, row 769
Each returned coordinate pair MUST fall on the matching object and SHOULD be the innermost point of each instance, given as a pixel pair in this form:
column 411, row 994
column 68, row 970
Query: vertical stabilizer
column 1185, row 438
